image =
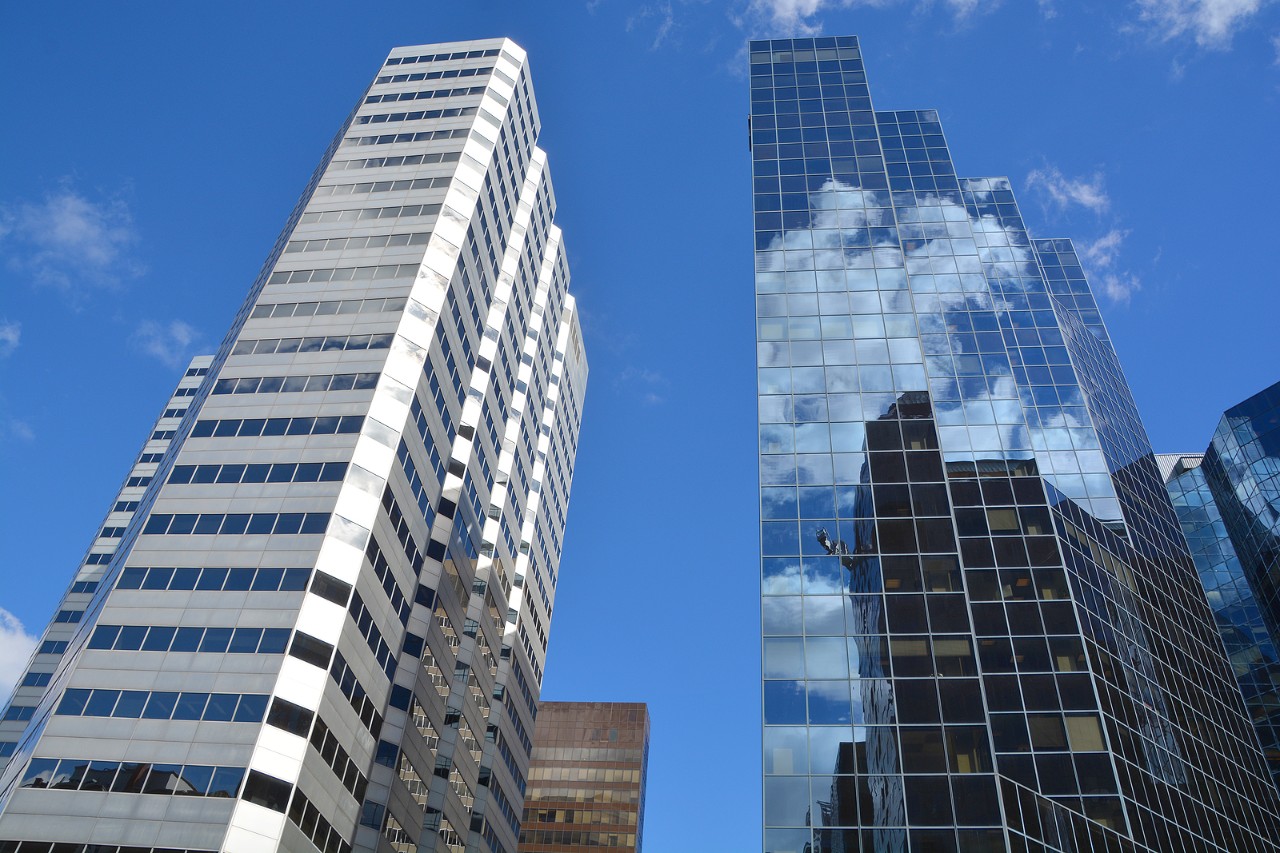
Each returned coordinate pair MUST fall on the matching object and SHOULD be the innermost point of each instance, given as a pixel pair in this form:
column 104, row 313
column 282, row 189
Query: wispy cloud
column 1063, row 192
column 17, row 428
column 642, row 381
column 10, row 335
column 1104, row 251
column 1101, row 257
column 16, row 646
column 172, row 343
column 1211, row 23
column 69, row 241
column 664, row 16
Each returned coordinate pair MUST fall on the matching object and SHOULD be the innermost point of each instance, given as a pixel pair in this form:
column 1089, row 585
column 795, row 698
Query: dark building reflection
column 981, row 626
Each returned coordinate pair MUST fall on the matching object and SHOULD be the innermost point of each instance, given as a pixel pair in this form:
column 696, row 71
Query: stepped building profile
column 316, row 617
column 982, row 629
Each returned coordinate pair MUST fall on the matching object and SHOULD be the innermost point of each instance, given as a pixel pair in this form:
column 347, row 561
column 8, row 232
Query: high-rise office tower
column 587, row 778
column 982, row 628
column 1228, row 501
column 322, row 622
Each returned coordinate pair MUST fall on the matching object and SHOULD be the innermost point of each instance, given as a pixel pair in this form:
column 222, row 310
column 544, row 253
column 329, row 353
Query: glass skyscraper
column 316, row 617
column 1228, row 501
column 982, row 628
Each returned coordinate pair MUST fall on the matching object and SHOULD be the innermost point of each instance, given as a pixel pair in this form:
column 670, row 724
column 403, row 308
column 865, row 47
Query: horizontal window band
column 281, row 472
column 235, row 524
column 128, row 777
column 168, row 638
column 423, row 95
column 420, row 136
column 369, row 273
column 448, row 74
column 441, row 57
column 417, row 115
column 329, row 308
column 254, row 427
column 214, row 579
column 163, row 705
column 296, row 384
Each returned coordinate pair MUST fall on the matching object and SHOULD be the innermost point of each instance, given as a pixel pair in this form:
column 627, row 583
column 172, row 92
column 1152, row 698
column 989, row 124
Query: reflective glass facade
column 1228, row 501
column 981, row 627
column 587, row 778
column 317, row 617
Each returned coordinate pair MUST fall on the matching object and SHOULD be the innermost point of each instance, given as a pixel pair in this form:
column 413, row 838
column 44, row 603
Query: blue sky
column 152, row 151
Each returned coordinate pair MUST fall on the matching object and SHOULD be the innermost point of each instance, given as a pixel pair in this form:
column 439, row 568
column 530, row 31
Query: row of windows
column 214, row 579
column 319, row 343
column 426, row 94
column 376, row 241
column 254, row 427
column 560, row 839
column 420, row 136
column 614, row 817
column 417, row 115
column 373, row 636
column 402, row 160
column 361, row 702
column 576, row 794
column 433, row 75
column 296, row 384
column 164, row 705
column 323, row 834
column 370, row 273
column 130, row 777
column 328, row 746
column 164, row 638
column 331, row 307
column 235, row 524
column 582, row 774
column 280, row 472
column 441, row 57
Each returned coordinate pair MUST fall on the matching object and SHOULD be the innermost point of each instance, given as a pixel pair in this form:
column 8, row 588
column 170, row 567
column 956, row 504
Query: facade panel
column 981, row 626
column 324, row 626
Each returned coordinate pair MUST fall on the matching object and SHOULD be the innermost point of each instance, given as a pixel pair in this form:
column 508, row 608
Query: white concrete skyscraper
column 317, row 616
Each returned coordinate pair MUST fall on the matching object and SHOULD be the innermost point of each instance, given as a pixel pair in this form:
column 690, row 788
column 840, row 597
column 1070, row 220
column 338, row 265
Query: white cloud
column 16, row 646
column 173, row 343
column 69, row 242
column 10, row 335
column 1103, row 251
column 1089, row 193
column 1212, row 23
column 798, row 17
column 1100, row 256
column 1120, row 287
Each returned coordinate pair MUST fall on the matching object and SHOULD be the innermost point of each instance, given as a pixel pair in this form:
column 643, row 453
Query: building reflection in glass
column 976, row 598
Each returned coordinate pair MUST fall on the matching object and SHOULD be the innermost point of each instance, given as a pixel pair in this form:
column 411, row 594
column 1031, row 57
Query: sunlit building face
column 316, row 618
column 981, row 626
